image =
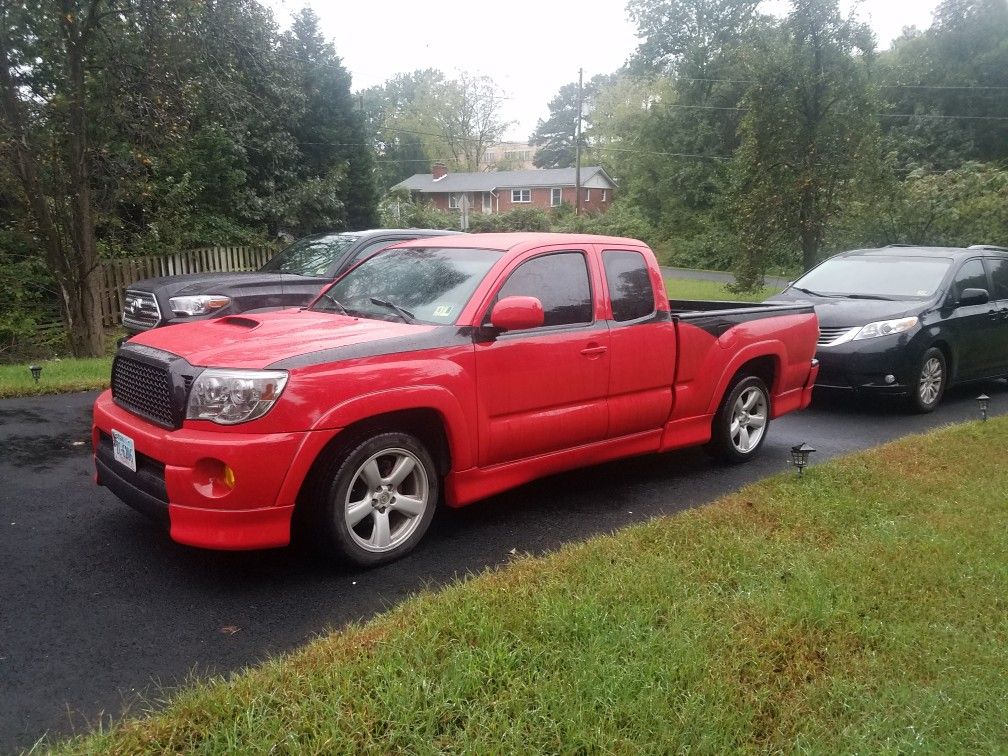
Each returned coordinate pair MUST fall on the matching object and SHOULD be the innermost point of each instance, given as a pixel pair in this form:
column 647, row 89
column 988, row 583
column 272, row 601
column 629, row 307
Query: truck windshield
column 312, row 256
column 431, row 284
column 886, row 277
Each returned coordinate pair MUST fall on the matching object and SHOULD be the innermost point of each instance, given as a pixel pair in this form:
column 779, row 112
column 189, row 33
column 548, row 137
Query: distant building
column 509, row 156
column 500, row 191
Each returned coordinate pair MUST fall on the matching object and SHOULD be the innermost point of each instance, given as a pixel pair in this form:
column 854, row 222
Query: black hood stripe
column 437, row 338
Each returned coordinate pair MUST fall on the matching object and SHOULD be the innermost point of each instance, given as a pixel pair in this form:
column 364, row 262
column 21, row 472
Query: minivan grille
column 828, row 335
column 144, row 389
column 140, row 310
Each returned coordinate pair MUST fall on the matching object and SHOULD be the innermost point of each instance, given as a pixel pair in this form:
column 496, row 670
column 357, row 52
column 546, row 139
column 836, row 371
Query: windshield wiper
column 406, row 315
column 813, row 293
column 871, row 296
column 342, row 310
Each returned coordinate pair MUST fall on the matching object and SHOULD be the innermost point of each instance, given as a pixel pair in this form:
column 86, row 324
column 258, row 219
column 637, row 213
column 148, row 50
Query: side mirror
column 517, row 313
column 973, row 297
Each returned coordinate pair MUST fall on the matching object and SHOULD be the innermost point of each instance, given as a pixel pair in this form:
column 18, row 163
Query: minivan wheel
column 741, row 422
column 932, row 378
column 378, row 500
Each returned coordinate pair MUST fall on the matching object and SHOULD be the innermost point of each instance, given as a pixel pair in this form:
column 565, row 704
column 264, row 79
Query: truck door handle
column 593, row 350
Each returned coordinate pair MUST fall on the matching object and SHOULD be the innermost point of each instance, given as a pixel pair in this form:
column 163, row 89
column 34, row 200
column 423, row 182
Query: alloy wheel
column 386, row 500
column 749, row 419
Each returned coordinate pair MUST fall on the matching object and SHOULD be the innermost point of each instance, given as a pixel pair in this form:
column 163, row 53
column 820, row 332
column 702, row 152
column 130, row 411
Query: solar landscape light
column 800, row 456
column 983, row 401
column 36, row 371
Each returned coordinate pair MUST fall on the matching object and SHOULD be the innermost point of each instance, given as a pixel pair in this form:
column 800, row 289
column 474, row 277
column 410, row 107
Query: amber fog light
column 213, row 478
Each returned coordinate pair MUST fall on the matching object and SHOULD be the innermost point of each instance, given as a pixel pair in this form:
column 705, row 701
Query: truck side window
column 560, row 282
column 999, row 275
column 629, row 285
column 970, row 276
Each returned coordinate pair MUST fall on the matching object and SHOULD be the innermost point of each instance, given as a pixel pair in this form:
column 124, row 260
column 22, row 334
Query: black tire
column 925, row 392
column 342, row 481
column 726, row 443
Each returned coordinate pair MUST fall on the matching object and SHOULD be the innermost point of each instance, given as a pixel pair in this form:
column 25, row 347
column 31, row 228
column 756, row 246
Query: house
column 500, row 191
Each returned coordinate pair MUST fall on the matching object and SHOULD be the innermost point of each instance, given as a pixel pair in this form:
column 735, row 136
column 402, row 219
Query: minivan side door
column 998, row 269
column 971, row 327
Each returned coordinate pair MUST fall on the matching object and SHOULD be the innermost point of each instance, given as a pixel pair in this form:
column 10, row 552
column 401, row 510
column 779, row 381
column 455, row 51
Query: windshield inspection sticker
column 443, row 311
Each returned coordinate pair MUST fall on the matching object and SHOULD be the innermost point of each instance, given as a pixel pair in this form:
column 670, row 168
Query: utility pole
column 577, row 147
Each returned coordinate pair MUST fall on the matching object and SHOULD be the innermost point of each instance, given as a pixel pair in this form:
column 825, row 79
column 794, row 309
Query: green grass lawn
column 861, row 608
column 681, row 288
column 58, row 376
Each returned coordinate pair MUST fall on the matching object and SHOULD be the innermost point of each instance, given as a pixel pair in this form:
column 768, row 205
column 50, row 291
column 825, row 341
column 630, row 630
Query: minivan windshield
column 875, row 276
column 414, row 284
column 312, row 256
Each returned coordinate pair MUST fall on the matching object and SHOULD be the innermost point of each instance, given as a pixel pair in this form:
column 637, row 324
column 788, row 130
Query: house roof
column 489, row 181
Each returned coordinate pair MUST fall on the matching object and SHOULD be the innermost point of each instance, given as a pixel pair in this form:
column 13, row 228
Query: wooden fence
column 118, row 274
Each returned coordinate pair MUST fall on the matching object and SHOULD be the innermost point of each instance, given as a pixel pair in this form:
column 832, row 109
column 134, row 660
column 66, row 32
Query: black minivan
column 909, row 320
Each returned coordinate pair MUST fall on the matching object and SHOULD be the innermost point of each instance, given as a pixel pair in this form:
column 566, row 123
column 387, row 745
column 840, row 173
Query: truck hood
column 219, row 283
column 837, row 312
column 258, row 340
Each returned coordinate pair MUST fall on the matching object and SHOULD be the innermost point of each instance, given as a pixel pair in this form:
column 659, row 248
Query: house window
column 521, row 195
column 454, row 201
column 556, row 196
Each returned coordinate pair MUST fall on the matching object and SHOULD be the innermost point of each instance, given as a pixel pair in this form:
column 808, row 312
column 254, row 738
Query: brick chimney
column 440, row 170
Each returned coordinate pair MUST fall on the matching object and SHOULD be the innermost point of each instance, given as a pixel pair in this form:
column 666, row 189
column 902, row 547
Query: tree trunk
column 69, row 245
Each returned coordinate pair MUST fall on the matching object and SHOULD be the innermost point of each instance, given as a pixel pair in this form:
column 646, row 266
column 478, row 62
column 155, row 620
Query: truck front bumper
column 182, row 479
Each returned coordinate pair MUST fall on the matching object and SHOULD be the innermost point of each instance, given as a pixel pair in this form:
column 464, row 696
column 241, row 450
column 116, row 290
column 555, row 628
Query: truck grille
column 828, row 335
column 144, row 389
column 140, row 310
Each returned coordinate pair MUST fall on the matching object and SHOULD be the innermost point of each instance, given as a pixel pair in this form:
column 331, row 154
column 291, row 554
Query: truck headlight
column 229, row 397
column 198, row 305
column 885, row 328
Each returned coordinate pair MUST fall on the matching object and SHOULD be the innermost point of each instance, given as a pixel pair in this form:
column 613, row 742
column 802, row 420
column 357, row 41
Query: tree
column 46, row 106
column 465, row 117
column 396, row 126
column 809, row 132
column 555, row 137
column 329, row 130
column 687, row 37
column 958, row 68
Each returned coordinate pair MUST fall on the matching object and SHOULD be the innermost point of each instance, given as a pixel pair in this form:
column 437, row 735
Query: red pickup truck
column 444, row 369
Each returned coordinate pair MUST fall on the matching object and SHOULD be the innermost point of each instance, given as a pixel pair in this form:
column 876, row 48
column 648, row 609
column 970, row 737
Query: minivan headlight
column 885, row 328
column 198, row 305
column 229, row 397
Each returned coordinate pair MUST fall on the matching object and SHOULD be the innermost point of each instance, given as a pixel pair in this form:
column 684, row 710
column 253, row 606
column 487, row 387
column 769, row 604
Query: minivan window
column 887, row 277
column 999, row 277
column 970, row 276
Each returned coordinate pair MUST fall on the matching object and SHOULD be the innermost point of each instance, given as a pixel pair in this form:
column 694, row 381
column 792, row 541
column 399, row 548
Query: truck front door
column 545, row 389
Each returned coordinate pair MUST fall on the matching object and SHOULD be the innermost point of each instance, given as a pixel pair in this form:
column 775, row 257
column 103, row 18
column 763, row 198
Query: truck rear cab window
column 629, row 285
column 560, row 282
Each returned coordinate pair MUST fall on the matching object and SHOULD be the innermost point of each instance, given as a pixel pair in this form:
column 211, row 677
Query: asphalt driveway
column 99, row 610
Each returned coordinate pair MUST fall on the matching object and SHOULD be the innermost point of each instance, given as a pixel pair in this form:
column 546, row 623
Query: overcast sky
column 529, row 48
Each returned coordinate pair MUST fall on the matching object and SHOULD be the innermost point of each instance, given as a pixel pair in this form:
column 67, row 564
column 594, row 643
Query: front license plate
column 123, row 450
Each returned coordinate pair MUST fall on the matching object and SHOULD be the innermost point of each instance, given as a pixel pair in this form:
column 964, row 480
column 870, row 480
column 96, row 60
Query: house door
column 487, row 203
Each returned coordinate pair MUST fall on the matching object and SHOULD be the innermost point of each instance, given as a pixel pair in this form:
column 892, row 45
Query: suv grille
column 144, row 389
column 828, row 335
column 140, row 310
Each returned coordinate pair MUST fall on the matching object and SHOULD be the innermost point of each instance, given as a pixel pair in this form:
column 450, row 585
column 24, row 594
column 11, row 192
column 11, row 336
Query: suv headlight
column 198, row 305
column 885, row 328
column 229, row 397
